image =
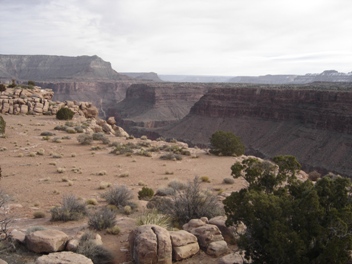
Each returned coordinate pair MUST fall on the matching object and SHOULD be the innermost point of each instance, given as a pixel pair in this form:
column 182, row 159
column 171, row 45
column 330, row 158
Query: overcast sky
column 206, row 37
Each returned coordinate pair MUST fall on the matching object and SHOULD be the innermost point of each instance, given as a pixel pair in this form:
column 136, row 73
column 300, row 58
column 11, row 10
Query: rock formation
column 49, row 68
column 155, row 105
column 312, row 122
column 37, row 101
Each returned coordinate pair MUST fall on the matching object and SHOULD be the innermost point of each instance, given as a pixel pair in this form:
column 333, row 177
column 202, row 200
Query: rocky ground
column 35, row 184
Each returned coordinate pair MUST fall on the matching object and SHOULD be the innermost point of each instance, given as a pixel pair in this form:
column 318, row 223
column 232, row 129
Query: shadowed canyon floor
column 35, row 184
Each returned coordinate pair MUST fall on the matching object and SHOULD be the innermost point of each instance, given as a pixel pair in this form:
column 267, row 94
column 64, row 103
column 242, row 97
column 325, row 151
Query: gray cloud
column 224, row 37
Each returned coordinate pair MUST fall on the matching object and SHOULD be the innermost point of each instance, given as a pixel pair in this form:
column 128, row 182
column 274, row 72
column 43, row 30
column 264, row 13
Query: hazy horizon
column 222, row 38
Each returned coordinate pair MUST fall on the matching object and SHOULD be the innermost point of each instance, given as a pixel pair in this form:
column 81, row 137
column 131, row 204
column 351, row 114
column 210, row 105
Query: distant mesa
column 59, row 68
column 143, row 76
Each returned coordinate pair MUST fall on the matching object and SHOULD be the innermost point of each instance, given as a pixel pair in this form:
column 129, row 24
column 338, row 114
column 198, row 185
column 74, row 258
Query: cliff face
column 315, row 125
column 45, row 67
column 104, row 95
column 158, row 104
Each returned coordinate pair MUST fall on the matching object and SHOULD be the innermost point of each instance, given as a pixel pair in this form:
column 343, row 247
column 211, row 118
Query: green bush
column 31, row 83
column 13, row 84
column 145, row 194
column 2, row 87
column 71, row 209
column 65, row 114
column 226, row 144
column 2, row 125
column 102, row 219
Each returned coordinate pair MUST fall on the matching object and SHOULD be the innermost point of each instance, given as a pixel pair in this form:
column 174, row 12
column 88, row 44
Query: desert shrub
column 165, row 191
column 2, row 125
column 160, row 139
column 144, row 153
column 177, row 185
column 314, row 175
column 145, row 194
column 97, row 253
column 103, row 185
column 71, row 209
column 56, row 140
column 226, row 144
column 191, row 203
column 98, row 136
column 79, row 129
column 71, row 130
column 5, row 220
column 171, row 156
column 105, row 141
column 69, row 124
column 126, row 149
column 102, row 219
column 38, row 214
column 118, row 195
column 85, row 139
column 60, row 128
column 115, row 230
column 145, row 144
column 40, row 152
column 2, row 87
column 144, row 137
column 65, row 114
column 92, row 201
column 127, row 209
column 47, row 134
column 34, row 229
column 204, row 179
column 153, row 217
column 228, row 181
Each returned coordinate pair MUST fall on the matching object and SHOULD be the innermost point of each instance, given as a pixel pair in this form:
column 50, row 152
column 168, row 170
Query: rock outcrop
column 47, row 67
column 150, row 244
column 312, row 122
column 38, row 101
column 46, row 241
column 63, row 258
column 149, row 106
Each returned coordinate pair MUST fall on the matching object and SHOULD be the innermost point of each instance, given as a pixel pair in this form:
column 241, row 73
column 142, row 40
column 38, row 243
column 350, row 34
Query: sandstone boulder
column 120, row 132
column 3, row 261
column 46, row 241
column 233, row 258
column 184, row 244
column 63, row 258
column 111, row 121
column 217, row 248
column 73, row 243
column 150, row 244
column 18, row 236
column 229, row 233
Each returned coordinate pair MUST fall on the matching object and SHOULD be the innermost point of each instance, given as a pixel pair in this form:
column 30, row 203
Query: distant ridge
column 326, row 76
column 51, row 67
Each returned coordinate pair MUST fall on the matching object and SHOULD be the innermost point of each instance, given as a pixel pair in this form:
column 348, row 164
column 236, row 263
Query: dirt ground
column 34, row 183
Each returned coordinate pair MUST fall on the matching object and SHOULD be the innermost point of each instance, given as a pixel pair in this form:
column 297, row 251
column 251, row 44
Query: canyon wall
column 312, row 122
column 148, row 106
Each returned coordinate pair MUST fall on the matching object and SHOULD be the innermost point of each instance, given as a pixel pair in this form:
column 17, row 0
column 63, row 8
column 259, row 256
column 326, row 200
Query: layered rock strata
column 314, row 124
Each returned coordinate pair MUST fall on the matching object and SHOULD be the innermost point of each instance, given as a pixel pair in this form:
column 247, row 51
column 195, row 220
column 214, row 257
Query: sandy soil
column 35, row 184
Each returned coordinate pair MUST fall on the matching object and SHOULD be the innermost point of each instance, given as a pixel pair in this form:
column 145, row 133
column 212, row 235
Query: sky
column 187, row 37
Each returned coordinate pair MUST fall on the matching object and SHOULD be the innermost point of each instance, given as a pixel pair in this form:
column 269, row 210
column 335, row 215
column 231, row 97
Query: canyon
column 308, row 116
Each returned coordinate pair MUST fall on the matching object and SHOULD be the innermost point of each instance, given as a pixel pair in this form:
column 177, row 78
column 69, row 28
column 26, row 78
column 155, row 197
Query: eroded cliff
column 48, row 67
column 312, row 122
column 158, row 104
